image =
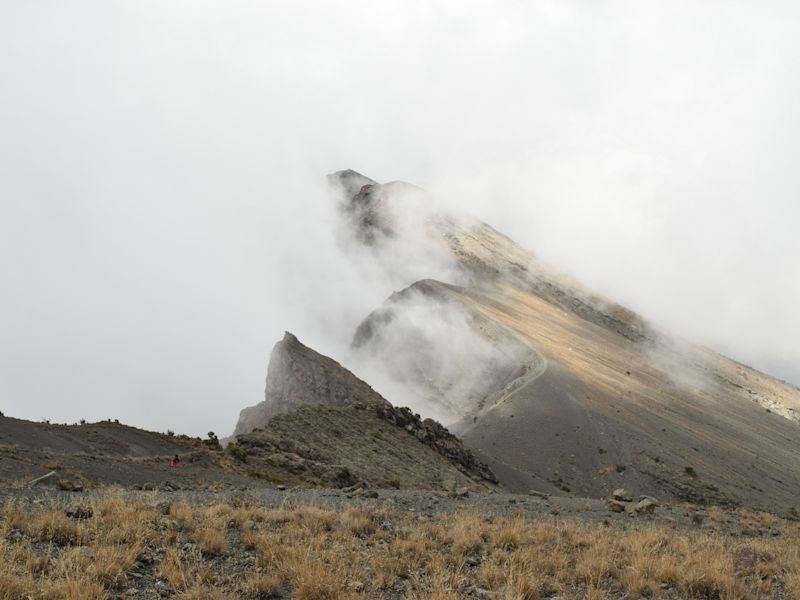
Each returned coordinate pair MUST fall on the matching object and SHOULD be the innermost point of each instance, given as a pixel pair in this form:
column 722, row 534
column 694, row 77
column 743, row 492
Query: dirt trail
column 532, row 369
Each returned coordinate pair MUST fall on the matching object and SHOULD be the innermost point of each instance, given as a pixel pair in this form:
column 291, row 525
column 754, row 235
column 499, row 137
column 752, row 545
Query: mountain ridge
column 620, row 402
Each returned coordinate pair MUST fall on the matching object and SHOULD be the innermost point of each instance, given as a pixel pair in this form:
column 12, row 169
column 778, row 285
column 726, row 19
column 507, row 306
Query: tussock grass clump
column 262, row 587
column 176, row 570
column 210, row 540
column 53, row 526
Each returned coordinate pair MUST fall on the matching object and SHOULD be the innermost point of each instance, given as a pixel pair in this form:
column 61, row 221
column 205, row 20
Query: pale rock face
column 298, row 376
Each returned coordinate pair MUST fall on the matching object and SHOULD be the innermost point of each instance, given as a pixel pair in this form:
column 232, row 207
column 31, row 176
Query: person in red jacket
column 175, row 462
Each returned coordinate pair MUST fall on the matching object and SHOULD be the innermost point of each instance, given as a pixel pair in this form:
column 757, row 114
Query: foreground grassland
column 112, row 546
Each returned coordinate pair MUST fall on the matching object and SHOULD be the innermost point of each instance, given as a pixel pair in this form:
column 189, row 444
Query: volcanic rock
column 298, row 376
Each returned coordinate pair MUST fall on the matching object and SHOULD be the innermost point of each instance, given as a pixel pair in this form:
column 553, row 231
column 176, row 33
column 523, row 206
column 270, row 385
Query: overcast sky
column 163, row 219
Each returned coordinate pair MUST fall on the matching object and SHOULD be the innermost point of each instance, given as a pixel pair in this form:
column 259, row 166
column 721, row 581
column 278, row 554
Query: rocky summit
column 298, row 376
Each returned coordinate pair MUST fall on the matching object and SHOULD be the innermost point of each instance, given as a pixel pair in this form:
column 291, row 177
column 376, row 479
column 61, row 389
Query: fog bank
column 164, row 210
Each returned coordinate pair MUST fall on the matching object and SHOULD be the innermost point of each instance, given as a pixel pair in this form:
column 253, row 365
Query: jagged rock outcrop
column 435, row 435
column 348, row 183
column 298, row 376
column 319, row 423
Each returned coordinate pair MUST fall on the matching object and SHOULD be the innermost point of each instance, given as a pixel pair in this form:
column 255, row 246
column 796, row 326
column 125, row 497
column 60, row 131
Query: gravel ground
column 423, row 502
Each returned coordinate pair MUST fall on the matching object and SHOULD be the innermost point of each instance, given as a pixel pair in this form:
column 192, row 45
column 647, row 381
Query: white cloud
column 163, row 218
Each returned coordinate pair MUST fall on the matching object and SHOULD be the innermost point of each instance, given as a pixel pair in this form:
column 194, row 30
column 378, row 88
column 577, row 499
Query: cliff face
column 298, row 376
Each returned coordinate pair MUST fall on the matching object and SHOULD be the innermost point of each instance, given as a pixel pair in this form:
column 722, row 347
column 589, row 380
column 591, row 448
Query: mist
column 165, row 215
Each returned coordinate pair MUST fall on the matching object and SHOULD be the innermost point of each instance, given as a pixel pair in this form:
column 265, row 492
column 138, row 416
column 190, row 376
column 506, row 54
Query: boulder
column 616, row 506
column 622, row 495
column 646, row 505
column 70, row 486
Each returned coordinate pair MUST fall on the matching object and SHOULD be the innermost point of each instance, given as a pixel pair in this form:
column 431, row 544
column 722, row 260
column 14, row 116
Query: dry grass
column 263, row 586
column 312, row 553
column 210, row 540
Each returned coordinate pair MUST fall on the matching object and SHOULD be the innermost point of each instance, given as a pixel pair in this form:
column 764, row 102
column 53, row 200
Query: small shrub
column 344, row 477
column 690, row 471
column 620, row 468
column 212, row 442
column 238, row 452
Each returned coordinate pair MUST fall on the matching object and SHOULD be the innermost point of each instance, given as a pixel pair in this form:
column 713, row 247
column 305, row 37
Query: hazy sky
column 163, row 219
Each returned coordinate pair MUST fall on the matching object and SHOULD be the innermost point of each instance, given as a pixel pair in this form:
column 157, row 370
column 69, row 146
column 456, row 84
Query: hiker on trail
column 175, row 462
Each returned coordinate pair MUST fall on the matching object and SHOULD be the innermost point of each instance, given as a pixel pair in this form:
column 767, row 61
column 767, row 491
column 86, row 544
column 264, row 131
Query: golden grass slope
column 241, row 550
